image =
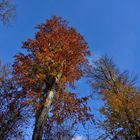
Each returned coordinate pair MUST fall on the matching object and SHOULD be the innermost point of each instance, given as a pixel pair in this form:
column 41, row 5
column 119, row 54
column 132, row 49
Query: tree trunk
column 40, row 121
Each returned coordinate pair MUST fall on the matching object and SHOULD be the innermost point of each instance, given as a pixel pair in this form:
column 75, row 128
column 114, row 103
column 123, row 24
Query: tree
column 121, row 101
column 7, row 10
column 56, row 57
column 13, row 115
column 63, row 131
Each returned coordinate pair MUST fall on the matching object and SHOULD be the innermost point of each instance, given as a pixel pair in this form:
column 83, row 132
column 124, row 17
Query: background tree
column 13, row 115
column 63, row 131
column 56, row 58
column 7, row 11
column 121, row 101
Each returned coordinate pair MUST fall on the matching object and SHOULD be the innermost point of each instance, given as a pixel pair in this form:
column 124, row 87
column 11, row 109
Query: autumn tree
column 121, row 101
column 7, row 10
column 55, row 58
column 13, row 115
column 66, row 109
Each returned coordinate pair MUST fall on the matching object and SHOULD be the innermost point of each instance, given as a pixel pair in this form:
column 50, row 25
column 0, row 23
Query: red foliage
column 56, row 49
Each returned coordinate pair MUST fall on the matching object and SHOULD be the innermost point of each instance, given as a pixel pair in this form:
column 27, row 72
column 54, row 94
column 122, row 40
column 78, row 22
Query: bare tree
column 7, row 11
column 64, row 131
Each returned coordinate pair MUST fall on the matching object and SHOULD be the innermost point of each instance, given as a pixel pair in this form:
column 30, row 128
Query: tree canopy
column 121, row 101
column 13, row 115
column 55, row 58
column 7, row 11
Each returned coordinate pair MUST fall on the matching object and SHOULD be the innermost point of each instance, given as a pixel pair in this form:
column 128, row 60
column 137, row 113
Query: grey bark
column 40, row 121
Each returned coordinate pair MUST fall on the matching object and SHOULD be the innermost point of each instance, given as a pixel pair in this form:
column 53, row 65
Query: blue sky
column 110, row 27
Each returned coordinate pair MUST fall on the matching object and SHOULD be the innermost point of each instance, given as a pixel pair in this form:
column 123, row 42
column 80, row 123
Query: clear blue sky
column 110, row 27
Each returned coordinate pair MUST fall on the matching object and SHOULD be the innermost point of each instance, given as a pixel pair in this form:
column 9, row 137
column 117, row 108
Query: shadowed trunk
column 39, row 124
column 40, row 121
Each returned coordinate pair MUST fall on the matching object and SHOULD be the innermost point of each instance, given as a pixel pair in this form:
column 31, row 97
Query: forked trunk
column 40, row 121
column 39, row 124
